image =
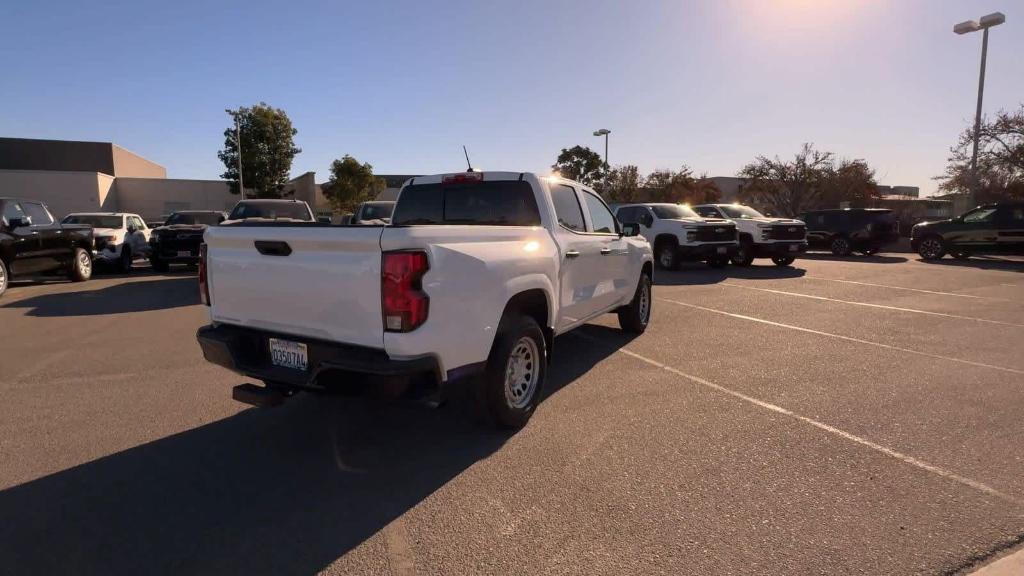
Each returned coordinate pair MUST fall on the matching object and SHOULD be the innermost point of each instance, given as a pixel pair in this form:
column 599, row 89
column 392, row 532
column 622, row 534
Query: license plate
column 288, row 354
column 794, row 248
column 723, row 250
column 184, row 253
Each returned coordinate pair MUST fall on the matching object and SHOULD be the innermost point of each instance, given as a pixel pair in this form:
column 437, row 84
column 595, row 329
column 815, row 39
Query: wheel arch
column 534, row 303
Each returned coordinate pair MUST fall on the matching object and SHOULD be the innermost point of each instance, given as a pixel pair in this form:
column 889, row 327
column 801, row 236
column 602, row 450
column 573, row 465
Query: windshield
column 673, row 211
column 207, row 218
column 271, row 210
column 979, row 215
column 377, row 211
column 116, row 222
column 737, row 211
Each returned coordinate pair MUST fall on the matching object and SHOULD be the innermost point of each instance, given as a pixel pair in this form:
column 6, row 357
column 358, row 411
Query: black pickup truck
column 178, row 240
column 32, row 242
column 988, row 229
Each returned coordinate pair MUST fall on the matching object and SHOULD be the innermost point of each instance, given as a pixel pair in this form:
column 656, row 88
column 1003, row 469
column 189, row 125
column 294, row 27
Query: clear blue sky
column 404, row 84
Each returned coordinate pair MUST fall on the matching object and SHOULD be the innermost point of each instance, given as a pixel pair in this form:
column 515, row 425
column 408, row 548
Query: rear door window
column 495, row 203
column 40, row 216
column 567, row 207
column 12, row 210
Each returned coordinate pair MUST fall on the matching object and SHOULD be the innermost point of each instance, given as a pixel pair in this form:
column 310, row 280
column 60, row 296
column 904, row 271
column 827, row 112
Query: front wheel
column 3, row 277
column 634, row 316
column 931, row 248
column 81, row 266
column 783, row 260
column 744, row 254
column 510, row 387
column 668, row 259
column 841, row 246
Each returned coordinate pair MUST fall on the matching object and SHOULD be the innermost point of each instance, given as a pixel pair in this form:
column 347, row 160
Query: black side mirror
column 630, row 229
column 647, row 220
column 20, row 222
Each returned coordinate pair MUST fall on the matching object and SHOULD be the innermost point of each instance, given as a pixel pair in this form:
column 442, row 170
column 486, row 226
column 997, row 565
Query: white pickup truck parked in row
column 781, row 239
column 474, row 277
column 678, row 233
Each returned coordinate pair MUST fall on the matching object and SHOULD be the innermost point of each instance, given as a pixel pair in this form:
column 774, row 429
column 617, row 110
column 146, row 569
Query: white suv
column 678, row 233
column 120, row 238
column 781, row 239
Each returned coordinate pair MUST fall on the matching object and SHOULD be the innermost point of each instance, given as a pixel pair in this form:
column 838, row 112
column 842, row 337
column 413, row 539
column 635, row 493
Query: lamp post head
column 602, row 132
column 967, row 27
column 993, row 19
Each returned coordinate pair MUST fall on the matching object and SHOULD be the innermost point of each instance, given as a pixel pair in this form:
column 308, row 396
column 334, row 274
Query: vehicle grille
column 717, row 233
column 175, row 242
column 788, row 232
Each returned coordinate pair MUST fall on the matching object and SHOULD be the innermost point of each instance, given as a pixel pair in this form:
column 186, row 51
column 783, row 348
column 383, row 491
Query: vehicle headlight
column 691, row 235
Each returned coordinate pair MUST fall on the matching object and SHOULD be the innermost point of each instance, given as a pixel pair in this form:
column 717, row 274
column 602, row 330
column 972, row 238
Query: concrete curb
column 1012, row 565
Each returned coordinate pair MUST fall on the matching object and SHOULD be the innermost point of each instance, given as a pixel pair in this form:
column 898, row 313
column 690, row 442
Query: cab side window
column 708, row 211
column 40, row 216
column 567, row 207
column 600, row 216
column 12, row 210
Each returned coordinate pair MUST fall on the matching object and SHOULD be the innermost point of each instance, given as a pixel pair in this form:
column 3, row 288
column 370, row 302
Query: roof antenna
column 470, row 165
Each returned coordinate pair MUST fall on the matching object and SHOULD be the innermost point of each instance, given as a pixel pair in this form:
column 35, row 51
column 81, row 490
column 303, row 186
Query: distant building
column 103, row 177
column 393, row 183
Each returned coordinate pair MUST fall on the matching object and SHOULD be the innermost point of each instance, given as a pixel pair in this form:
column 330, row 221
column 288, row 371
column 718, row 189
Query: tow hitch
column 259, row 396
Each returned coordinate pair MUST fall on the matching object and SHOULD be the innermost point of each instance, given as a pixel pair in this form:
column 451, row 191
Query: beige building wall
column 152, row 198
column 129, row 164
column 63, row 192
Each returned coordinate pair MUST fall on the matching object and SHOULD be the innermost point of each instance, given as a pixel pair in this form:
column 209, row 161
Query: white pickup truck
column 473, row 278
column 781, row 239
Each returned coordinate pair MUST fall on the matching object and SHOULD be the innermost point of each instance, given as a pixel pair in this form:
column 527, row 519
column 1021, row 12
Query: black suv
column 178, row 240
column 848, row 230
column 988, row 229
column 32, row 242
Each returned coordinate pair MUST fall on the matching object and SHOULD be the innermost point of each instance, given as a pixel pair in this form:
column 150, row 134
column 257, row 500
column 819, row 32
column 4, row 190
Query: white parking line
column 981, row 487
column 920, row 290
column 870, row 305
column 848, row 338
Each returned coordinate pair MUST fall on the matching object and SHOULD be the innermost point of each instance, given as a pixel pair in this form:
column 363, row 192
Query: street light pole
column 604, row 132
column 238, row 144
column 986, row 22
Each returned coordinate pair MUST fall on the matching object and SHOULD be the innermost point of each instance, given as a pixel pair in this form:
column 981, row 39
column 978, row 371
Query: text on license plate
column 288, row 354
column 722, row 249
column 184, row 253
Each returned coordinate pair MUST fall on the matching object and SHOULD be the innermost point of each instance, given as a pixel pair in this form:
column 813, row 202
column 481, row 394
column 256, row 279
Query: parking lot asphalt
column 855, row 416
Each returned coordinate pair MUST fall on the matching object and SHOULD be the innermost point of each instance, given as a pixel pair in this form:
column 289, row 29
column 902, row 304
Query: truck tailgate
column 314, row 281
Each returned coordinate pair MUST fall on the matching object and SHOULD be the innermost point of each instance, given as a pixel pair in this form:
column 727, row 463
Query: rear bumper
column 782, row 248
column 706, row 251
column 246, row 351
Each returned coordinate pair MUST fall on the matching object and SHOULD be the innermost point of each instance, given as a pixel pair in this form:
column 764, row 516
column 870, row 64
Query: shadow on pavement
column 874, row 259
column 983, row 262
column 140, row 296
column 281, row 491
column 693, row 276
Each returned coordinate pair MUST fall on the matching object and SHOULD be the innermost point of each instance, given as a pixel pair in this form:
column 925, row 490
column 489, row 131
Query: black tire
column 745, row 254
column 124, row 263
column 840, row 246
column 718, row 262
column 507, row 410
column 667, row 255
column 783, row 260
column 4, row 277
column 159, row 265
column 80, row 267
column 635, row 316
column 931, row 248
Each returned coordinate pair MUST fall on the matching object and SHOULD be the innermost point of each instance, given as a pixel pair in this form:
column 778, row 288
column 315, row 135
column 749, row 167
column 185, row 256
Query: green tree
column 620, row 184
column 351, row 184
column 268, row 148
column 680, row 187
column 1000, row 160
column 787, row 187
column 850, row 181
column 581, row 164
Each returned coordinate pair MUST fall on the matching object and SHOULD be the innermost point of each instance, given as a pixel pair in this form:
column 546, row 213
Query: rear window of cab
column 495, row 203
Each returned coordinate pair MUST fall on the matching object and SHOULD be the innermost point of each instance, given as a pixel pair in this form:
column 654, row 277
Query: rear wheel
column 931, row 248
column 634, row 316
column 841, row 246
column 744, row 254
column 668, row 257
column 783, row 260
column 510, row 387
column 81, row 266
column 3, row 277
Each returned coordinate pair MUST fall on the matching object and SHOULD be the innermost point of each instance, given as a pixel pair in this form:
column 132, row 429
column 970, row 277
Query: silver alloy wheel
column 522, row 373
column 3, row 278
column 931, row 248
column 84, row 264
column 665, row 257
column 645, row 302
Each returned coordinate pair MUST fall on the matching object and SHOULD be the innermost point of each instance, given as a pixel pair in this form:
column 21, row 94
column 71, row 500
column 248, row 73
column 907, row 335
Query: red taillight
column 204, row 286
column 403, row 302
column 463, row 178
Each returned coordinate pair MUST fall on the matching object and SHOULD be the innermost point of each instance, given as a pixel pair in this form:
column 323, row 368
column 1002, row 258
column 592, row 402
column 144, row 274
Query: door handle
column 606, row 251
column 572, row 253
column 272, row 248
